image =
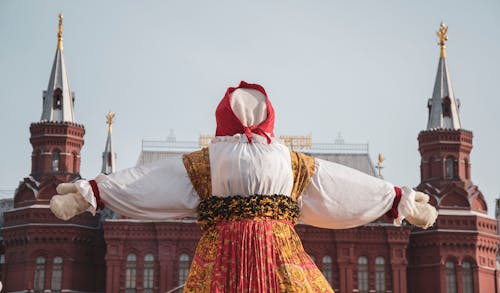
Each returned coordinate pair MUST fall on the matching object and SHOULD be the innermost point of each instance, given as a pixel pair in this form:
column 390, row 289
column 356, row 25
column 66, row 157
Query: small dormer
column 57, row 98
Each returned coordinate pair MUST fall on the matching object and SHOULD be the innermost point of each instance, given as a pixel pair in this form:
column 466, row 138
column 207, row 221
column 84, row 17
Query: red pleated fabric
column 253, row 256
column 246, row 263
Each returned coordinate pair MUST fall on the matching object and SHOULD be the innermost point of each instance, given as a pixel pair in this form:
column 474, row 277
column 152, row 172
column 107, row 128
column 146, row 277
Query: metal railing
column 167, row 145
column 348, row 148
column 6, row 193
column 334, row 148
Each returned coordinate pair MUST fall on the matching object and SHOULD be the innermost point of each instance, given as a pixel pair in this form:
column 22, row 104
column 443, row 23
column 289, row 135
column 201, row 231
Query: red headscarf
column 229, row 124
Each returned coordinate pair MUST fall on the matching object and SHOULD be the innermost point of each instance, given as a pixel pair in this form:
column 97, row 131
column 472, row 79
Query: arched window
column 55, row 160
column 327, row 268
column 450, row 170
column 131, row 273
column 362, row 274
column 57, row 98
column 57, row 271
column 451, row 279
column 39, row 282
column 149, row 271
column 183, row 268
column 446, row 104
column 379, row 274
column 467, row 275
column 447, row 119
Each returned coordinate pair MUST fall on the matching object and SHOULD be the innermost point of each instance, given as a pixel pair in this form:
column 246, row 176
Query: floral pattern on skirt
column 253, row 256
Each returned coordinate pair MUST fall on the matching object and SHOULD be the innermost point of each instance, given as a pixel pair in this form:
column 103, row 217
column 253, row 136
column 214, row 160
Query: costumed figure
column 248, row 191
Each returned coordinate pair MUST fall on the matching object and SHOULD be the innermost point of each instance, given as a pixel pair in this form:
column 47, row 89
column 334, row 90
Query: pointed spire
column 443, row 107
column 109, row 156
column 58, row 98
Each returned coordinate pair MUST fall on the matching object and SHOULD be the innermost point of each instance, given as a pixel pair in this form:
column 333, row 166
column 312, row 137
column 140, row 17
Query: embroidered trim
column 214, row 210
column 393, row 212
column 97, row 195
column 303, row 167
column 197, row 165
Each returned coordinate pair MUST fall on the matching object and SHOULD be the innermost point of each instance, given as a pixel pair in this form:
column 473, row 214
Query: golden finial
column 441, row 33
column 60, row 33
column 109, row 120
column 381, row 159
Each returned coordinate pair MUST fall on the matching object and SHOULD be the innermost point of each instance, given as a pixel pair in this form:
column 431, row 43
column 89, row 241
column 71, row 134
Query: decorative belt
column 214, row 210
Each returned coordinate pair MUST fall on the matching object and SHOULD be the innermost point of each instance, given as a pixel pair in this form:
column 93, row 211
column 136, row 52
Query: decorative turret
column 443, row 107
column 43, row 253
column 56, row 139
column 109, row 156
column 458, row 253
column 58, row 99
column 445, row 147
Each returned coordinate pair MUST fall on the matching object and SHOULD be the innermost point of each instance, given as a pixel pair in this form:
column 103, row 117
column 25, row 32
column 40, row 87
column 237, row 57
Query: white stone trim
column 455, row 231
column 151, row 221
column 47, row 290
column 35, row 206
column 446, row 212
column 50, row 225
column 35, row 191
column 438, row 264
column 34, row 180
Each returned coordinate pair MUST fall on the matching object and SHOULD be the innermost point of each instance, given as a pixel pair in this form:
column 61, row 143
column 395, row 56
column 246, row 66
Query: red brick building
column 459, row 253
column 44, row 254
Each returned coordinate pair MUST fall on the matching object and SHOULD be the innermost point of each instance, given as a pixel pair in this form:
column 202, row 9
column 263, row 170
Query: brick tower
column 458, row 254
column 42, row 252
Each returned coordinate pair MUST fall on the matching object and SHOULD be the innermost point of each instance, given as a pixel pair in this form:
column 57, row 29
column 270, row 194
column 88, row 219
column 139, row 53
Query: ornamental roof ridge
column 57, row 123
column 445, row 129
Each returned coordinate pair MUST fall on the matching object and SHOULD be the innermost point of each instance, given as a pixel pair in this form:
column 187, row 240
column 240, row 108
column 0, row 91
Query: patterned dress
column 249, row 243
column 247, row 198
column 248, row 190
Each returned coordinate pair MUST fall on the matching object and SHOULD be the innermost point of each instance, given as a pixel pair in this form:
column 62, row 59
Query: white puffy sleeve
column 339, row 197
column 158, row 191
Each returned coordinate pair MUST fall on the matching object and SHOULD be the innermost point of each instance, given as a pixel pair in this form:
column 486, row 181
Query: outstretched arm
column 158, row 191
column 339, row 197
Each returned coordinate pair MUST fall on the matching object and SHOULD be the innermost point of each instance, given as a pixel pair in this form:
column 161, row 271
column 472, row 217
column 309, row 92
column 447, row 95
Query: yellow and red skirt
column 249, row 244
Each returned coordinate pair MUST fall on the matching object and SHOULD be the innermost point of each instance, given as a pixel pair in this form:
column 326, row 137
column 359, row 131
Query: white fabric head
column 249, row 106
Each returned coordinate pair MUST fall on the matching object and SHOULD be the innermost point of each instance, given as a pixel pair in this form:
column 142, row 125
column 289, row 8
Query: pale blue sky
column 362, row 68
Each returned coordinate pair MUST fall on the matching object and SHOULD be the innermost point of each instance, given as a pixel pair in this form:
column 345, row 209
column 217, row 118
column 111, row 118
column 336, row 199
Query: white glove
column 416, row 209
column 69, row 204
